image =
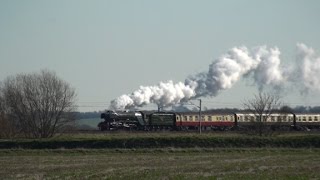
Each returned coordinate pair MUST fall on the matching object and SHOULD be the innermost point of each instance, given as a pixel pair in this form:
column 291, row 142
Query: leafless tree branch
column 262, row 106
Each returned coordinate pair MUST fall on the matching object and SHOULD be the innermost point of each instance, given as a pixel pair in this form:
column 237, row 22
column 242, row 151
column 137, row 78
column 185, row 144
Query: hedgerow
column 162, row 142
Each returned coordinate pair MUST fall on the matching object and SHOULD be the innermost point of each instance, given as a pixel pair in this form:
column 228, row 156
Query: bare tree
column 41, row 103
column 262, row 106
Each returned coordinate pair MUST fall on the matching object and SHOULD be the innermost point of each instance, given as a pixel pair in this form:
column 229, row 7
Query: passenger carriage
column 190, row 120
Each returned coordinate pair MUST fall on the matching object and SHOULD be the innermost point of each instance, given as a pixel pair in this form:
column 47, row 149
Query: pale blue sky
column 108, row 48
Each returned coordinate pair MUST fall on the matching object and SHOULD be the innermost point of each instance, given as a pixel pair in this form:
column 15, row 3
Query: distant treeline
column 88, row 115
column 298, row 109
column 306, row 109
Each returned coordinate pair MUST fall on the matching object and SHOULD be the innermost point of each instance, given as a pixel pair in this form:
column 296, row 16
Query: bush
column 163, row 142
column 8, row 129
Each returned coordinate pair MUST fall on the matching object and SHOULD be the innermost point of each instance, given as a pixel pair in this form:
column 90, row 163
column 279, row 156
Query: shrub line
column 164, row 142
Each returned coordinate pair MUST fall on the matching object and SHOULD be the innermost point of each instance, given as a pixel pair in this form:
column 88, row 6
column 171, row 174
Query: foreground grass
column 167, row 163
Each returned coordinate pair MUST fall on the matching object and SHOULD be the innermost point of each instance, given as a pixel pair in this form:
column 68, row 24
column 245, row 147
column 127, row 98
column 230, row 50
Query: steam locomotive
column 139, row 120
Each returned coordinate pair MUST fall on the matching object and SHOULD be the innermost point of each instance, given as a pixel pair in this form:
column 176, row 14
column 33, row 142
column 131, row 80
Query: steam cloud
column 309, row 71
column 262, row 64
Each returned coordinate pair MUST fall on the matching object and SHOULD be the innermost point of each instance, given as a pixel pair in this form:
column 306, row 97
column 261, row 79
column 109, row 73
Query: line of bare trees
column 36, row 105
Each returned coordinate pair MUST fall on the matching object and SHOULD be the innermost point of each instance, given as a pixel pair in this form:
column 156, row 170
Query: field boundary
column 165, row 142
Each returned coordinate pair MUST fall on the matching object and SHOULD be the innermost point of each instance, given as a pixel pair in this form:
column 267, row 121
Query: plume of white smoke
column 223, row 73
column 228, row 69
column 164, row 94
column 261, row 63
column 308, row 68
column 122, row 102
column 268, row 72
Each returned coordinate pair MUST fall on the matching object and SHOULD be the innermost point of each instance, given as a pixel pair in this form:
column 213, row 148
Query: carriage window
column 191, row 118
column 202, row 118
column 185, row 118
column 209, row 118
column 284, row 118
column 310, row 118
column 272, row 118
column 279, row 119
column 316, row 118
column 304, row 118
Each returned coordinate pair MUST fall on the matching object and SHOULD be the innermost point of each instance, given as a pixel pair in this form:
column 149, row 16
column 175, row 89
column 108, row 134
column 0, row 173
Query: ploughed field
column 164, row 163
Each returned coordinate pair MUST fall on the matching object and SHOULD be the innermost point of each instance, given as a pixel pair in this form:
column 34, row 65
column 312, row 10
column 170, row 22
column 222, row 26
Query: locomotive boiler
column 122, row 120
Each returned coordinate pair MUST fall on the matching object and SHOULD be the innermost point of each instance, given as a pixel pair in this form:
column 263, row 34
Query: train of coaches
column 139, row 120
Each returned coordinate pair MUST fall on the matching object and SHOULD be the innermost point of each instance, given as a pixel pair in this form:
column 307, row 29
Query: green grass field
column 167, row 163
column 142, row 134
column 155, row 134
